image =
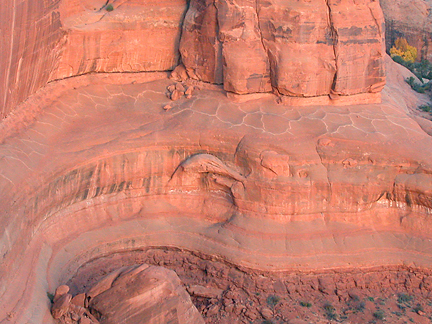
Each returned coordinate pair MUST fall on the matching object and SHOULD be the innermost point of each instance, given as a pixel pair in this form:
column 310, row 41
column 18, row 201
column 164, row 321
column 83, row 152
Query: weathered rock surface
column 94, row 167
column 298, row 36
column 227, row 294
column 411, row 20
column 301, row 48
column 297, row 48
column 136, row 294
column 103, row 169
column 135, row 36
column 30, row 33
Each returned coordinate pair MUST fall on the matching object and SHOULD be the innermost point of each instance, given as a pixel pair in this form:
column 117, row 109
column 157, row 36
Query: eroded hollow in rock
column 225, row 293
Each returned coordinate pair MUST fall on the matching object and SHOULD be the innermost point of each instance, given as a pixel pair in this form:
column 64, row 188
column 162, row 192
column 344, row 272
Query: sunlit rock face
column 135, row 36
column 101, row 165
column 31, row 31
column 300, row 48
column 104, row 169
column 50, row 40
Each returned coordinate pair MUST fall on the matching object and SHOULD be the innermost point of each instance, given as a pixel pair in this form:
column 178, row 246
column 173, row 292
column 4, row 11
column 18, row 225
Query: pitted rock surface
column 93, row 166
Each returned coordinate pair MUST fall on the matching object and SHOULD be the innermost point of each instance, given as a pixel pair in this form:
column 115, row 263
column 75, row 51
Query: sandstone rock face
column 298, row 36
column 246, row 68
column 411, row 20
column 135, row 36
column 359, row 48
column 136, row 294
column 31, row 32
column 301, row 48
column 96, row 167
column 145, row 294
column 200, row 46
column 103, row 170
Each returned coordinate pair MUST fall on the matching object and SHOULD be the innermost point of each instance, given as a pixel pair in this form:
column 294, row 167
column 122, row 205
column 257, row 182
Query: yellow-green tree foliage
column 403, row 49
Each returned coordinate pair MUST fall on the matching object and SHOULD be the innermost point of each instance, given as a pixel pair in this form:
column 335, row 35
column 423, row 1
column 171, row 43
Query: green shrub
column 420, row 88
column 361, row 306
column 109, row 8
column 379, row 314
column 272, row 300
column 305, row 304
column 410, row 81
column 422, row 70
column 381, row 301
column 330, row 311
column 398, row 59
column 404, row 298
column 425, row 108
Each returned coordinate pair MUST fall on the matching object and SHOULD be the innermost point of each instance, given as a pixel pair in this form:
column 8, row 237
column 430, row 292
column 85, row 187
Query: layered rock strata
column 301, row 48
column 135, row 36
column 104, row 169
column 30, row 33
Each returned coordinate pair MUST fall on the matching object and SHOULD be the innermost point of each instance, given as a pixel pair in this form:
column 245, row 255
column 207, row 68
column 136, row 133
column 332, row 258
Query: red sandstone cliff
column 93, row 170
column 411, row 20
column 307, row 48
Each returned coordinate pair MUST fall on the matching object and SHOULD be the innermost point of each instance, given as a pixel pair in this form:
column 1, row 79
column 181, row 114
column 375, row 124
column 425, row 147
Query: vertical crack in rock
column 376, row 20
column 334, row 39
column 262, row 39
column 218, row 54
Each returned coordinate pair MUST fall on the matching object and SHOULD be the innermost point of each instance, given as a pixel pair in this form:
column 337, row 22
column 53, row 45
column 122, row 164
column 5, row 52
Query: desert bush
column 330, row 311
column 360, row 307
column 401, row 48
column 404, row 298
column 305, row 304
column 272, row 300
column 379, row 314
column 418, row 87
column 109, row 7
column 425, row 108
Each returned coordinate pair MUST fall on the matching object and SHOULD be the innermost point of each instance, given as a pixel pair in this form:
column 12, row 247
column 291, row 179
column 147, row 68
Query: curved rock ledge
column 104, row 169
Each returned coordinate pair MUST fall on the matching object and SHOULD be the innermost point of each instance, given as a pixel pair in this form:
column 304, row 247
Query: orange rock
column 343, row 40
column 359, row 46
column 148, row 293
column 246, row 67
column 61, row 306
column 179, row 73
column 176, row 95
column 101, row 41
column 79, row 300
column 60, row 291
column 199, row 45
column 303, row 62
